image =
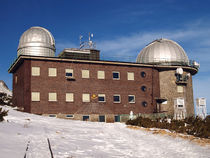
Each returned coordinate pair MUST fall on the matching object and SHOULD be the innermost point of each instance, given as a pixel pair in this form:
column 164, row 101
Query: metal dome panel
column 37, row 41
column 164, row 52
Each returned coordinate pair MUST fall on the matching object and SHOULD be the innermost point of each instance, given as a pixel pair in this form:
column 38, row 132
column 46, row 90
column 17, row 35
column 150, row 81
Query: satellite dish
column 179, row 71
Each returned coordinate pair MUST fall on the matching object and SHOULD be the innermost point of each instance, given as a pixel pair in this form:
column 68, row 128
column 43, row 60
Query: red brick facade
column 59, row 84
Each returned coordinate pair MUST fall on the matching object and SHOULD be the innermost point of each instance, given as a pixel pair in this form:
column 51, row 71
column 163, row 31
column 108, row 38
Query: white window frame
column 35, row 96
column 113, row 75
column 69, row 97
column 52, row 72
column 35, row 71
column 102, row 95
column 85, row 74
column 180, row 89
column 119, row 98
column 101, row 74
column 85, row 96
column 69, row 71
column 133, row 97
column 70, row 117
column 52, row 98
column 52, row 115
column 130, row 76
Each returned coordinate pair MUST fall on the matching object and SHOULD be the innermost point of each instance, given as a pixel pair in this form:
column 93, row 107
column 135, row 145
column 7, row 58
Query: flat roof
column 21, row 58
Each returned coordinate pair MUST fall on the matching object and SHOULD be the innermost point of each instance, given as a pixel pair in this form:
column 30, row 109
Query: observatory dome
column 36, row 41
column 163, row 52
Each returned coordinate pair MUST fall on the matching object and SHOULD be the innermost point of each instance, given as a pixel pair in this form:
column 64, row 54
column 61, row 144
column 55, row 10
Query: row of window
column 52, row 72
column 35, row 96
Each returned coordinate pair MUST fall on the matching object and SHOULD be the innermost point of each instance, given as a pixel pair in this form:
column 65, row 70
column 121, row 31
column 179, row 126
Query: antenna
column 87, row 44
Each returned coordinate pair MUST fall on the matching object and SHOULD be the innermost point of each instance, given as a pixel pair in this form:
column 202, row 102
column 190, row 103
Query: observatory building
column 77, row 84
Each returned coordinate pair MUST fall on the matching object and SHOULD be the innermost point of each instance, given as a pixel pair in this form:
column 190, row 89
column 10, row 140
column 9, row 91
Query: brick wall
column 107, row 86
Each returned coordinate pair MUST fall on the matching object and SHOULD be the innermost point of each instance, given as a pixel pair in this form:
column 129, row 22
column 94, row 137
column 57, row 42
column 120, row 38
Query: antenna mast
column 87, row 44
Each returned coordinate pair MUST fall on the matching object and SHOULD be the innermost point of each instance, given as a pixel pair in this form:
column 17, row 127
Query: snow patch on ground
column 86, row 140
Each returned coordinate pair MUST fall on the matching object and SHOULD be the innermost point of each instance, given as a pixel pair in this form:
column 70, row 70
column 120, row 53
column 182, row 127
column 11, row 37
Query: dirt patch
column 200, row 141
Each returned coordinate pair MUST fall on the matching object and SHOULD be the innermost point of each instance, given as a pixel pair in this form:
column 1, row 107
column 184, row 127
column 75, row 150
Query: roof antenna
column 87, row 44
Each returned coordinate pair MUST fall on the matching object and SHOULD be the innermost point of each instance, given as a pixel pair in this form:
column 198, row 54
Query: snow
column 4, row 89
column 80, row 139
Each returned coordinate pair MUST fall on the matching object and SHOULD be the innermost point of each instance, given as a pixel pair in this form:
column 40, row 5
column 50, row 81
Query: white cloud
column 194, row 38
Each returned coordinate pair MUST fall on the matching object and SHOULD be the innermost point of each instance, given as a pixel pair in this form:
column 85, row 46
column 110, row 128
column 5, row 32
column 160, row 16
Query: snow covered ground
column 79, row 139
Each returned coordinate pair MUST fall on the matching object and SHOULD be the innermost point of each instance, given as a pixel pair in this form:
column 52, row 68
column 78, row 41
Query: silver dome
column 163, row 52
column 36, row 41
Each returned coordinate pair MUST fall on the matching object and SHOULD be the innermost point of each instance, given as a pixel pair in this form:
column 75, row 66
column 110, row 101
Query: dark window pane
column 69, row 116
column 143, row 74
column 69, row 74
column 143, row 88
column 116, row 98
column 144, row 103
column 101, row 98
column 115, row 75
column 131, row 99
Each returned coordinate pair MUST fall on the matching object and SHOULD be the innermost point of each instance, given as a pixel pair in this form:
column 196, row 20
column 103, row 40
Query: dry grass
column 200, row 141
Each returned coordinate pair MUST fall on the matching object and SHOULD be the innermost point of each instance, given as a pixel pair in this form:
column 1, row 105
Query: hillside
column 86, row 139
column 4, row 88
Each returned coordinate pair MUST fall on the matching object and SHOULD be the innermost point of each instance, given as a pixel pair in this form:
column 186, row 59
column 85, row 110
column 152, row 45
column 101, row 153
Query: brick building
column 78, row 85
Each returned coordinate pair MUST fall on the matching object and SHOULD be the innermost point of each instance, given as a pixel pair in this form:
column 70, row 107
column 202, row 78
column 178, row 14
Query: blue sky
column 121, row 29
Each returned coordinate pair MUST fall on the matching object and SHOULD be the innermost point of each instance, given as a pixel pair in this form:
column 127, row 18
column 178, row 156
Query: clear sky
column 121, row 29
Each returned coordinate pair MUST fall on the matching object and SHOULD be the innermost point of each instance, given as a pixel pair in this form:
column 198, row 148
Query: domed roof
column 36, row 41
column 163, row 52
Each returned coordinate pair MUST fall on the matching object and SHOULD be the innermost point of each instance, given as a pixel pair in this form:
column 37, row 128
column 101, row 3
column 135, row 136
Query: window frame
column 119, row 98
column 83, row 96
column 34, row 69
column 36, row 100
column 70, row 71
column 143, row 74
column 51, row 69
column 69, row 115
column 72, row 100
column 98, row 75
column 117, row 73
column 134, row 98
column 84, row 75
column 56, row 99
column 130, row 78
column 102, row 95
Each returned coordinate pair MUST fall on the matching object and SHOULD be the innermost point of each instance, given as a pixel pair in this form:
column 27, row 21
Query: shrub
column 191, row 125
column 2, row 114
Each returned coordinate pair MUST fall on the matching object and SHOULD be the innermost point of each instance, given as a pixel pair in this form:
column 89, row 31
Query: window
column 52, row 115
column 144, row 103
column 101, row 97
column 86, row 97
column 130, row 76
column 143, row 74
column 116, row 75
column 101, row 118
column 131, row 98
column 101, row 75
column 179, row 102
column 85, row 74
column 143, row 88
column 69, row 73
column 52, row 72
column 180, row 89
column 52, row 96
column 16, row 79
column 35, row 71
column 85, row 118
column 69, row 97
column 116, row 98
column 69, row 116
column 35, row 96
